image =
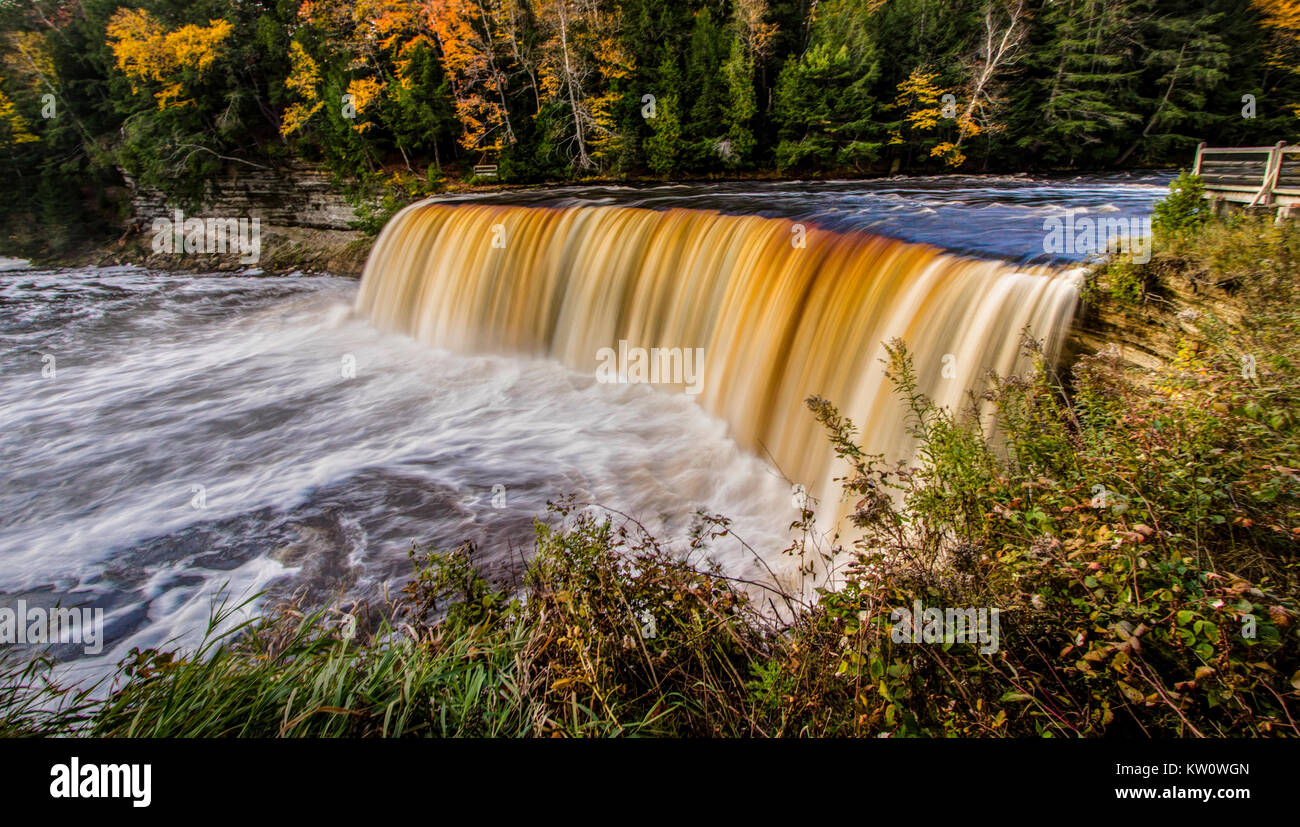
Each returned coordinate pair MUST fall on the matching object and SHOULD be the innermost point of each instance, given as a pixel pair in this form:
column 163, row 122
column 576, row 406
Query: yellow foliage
column 1181, row 381
column 29, row 57
column 580, row 55
column 949, row 153
column 297, row 115
column 364, row 91
column 388, row 21
column 28, row 65
column 303, row 80
column 14, row 123
column 145, row 51
column 1283, row 17
column 304, row 74
column 756, row 35
column 918, row 89
column 921, row 96
column 468, row 56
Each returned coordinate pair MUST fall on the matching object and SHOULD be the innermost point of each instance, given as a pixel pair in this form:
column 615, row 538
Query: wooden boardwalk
column 1254, row 176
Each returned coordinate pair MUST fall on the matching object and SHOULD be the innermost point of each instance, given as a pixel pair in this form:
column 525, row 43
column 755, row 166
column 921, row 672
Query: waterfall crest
column 782, row 310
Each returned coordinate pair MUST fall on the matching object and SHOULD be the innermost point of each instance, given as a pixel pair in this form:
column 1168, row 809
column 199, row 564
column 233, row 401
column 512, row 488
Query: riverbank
column 1137, row 538
column 284, row 250
column 311, row 222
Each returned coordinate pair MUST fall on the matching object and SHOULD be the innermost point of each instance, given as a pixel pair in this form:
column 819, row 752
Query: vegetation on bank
column 400, row 97
column 1138, row 531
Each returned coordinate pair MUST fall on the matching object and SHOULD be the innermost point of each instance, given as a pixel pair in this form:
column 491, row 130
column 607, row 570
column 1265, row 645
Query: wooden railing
column 1256, row 176
column 485, row 170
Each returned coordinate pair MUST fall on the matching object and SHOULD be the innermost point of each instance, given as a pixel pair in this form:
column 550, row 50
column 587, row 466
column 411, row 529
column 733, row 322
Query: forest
column 165, row 93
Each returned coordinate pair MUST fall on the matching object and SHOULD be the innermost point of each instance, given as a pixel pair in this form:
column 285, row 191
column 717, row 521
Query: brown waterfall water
column 781, row 310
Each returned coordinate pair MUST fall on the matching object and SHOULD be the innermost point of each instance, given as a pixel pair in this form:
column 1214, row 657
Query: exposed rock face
column 293, row 195
column 1150, row 333
column 1141, row 337
column 304, row 221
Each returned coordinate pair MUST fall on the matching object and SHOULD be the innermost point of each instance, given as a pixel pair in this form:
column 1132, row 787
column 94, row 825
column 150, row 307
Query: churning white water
column 194, row 433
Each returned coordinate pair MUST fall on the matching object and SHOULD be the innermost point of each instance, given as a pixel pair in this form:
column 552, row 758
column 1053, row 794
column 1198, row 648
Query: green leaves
column 1185, row 208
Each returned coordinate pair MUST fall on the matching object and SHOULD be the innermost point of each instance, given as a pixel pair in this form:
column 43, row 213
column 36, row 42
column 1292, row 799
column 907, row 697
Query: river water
column 165, row 437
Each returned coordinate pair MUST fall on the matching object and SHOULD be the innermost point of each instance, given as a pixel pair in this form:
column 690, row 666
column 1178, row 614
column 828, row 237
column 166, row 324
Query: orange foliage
column 468, row 57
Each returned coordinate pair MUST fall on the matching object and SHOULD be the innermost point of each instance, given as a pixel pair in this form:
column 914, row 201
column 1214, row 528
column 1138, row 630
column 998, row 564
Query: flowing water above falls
column 248, row 432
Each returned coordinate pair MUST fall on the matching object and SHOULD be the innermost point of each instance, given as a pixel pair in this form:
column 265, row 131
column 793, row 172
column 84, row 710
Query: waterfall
column 781, row 311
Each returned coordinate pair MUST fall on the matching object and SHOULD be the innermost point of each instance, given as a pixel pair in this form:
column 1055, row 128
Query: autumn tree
column 27, row 69
column 14, row 128
column 926, row 108
column 197, row 115
column 1001, row 36
column 147, row 53
column 467, row 36
column 174, row 94
column 366, row 81
column 582, row 61
column 304, row 83
column 1281, row 19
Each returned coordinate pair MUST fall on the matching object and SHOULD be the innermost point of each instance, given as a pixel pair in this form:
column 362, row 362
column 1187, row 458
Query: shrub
column 1184, row 209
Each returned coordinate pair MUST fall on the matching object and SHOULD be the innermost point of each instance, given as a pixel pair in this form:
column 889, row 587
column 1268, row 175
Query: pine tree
column 1082, row 98
column 824, row 100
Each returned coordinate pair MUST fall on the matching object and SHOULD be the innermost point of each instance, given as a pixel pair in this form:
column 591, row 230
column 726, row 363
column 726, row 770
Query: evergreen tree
column 1081, row 98
column 824, row 100
column 172, row 93
column 664, row 147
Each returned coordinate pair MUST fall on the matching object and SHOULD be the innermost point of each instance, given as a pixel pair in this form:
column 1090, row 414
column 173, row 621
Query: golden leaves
column 146, row 51
column 37, row 62
column 920, row 95
column 29, row 66
column 468, row 58
column 1283, row 17
column 14, row 123
column 364, row 92
column 303, row 80
column 305, row 74
column 756, row 35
